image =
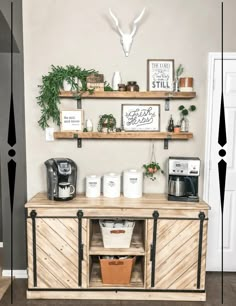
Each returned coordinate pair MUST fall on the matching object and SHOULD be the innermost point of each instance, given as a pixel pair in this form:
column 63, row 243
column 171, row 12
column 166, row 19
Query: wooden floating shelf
column 136, row 246
column 122, row 135
column 129, row 95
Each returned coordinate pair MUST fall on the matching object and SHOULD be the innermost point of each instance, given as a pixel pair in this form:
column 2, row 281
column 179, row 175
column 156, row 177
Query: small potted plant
column 151, row 169
column 184, row 112
column 106, row 123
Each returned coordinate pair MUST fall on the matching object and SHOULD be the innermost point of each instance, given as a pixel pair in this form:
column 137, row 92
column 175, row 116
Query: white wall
column 80, row 33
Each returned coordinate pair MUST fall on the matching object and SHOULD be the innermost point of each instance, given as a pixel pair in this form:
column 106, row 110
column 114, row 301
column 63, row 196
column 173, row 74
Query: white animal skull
column 127, row 39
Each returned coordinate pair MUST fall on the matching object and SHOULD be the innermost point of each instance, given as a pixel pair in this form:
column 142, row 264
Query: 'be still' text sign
column 160, row 75
column 141, row 117
column 72, row 120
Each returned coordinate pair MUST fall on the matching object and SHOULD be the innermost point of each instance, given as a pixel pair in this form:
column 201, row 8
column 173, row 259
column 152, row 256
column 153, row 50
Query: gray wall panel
column 19, row 253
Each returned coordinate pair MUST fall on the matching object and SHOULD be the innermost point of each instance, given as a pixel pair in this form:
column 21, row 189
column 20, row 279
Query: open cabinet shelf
column 136, row 246
column 128, row 95
column 136, row 281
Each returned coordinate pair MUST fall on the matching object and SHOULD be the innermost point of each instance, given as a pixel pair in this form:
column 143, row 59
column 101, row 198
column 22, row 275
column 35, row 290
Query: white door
column 212, row 195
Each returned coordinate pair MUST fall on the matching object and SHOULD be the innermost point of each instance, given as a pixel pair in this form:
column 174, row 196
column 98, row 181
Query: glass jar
column 121, row 87
column 132, row 86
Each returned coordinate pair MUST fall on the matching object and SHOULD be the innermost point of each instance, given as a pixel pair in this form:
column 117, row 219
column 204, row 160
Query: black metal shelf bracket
column 79, row 103
column 167, row 104
column 79, row 143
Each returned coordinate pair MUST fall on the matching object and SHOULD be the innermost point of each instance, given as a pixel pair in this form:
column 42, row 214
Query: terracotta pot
column 177, row 129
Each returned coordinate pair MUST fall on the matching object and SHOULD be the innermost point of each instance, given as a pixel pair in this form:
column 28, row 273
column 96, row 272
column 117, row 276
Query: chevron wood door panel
column 54, row 263
column 177, row 255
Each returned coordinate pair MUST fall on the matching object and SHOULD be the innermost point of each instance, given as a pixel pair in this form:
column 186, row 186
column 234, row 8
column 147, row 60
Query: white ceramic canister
column 93, row 186
column 111, row 185
column 133, row 183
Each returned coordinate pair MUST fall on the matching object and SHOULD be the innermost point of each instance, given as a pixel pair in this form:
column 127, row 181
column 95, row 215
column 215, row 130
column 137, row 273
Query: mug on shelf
column 65, row 190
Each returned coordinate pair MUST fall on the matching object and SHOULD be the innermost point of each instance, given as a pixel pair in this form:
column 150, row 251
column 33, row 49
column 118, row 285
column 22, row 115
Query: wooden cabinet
column 64, row 244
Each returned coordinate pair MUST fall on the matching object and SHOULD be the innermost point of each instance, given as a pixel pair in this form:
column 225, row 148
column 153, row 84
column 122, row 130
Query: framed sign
column 160, row 74
column 72, row 120
column 141, row 117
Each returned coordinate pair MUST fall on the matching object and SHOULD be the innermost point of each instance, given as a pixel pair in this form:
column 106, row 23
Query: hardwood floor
column 213, row 287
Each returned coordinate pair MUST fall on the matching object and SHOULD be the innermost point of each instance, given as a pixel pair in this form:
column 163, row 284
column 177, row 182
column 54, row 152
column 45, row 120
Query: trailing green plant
column 151, row 169
column 185, row 111
column 108, row 122
column 52, row 83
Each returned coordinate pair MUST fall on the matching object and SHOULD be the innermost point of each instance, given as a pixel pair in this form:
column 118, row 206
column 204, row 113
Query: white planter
column 67, row 86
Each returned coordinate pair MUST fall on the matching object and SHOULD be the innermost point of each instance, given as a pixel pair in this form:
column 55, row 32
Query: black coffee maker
column 183, row 179
column 61, row 179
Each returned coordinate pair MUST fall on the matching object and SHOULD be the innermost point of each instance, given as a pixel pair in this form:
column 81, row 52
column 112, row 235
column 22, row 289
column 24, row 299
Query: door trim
column 212, row 57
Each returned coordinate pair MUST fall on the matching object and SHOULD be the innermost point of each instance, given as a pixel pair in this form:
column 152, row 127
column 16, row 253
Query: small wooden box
column 95, row 78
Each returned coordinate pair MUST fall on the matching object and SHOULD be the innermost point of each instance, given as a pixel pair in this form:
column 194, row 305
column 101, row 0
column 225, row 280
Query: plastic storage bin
column 116, row 234
column 116, row 271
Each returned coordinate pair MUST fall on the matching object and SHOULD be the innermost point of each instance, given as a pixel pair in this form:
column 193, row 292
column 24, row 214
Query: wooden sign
column 160, row 75
column 141, row 117
column 72, row 120
column 95, row 78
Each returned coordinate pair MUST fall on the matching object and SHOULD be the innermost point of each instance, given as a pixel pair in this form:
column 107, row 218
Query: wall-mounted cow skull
column 127, row 39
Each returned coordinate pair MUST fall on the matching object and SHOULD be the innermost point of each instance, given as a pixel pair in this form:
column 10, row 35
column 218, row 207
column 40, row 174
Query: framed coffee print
column 72, row 120
column 141, row 117
column 160, row 74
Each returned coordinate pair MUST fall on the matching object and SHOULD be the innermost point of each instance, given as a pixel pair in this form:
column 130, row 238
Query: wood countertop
column 152, row 201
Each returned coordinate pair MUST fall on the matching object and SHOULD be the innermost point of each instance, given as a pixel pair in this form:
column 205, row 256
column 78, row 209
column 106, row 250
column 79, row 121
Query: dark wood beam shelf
column 129, row 95
column 122, row 135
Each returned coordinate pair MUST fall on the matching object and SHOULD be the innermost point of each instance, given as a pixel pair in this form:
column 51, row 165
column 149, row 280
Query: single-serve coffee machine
column 61, row 179
column 183, row 179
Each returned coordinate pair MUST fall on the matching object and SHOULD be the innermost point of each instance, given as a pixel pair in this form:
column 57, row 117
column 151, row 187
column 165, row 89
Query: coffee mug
column 65, row 190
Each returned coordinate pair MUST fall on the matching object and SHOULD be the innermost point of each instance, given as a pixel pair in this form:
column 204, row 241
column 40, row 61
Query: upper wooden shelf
column 129, row 95
column 121, row 135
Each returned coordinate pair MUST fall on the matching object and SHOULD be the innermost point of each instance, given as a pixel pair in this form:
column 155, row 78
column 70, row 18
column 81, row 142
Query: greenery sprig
column 52, row 83
column 184, row 111
column 179, row 71
column 107, row 121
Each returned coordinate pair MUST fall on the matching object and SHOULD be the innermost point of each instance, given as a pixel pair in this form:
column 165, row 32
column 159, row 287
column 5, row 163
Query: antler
column 136, row 21
column 116, row 22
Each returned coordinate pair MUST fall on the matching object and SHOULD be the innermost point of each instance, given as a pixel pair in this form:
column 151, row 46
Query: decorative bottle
column 171, row 125
column 116, row 79
column 89, row 125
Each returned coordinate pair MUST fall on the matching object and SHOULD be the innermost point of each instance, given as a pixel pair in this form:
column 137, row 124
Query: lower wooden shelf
column 136, row 277
column 136, row 247
column 122, row 135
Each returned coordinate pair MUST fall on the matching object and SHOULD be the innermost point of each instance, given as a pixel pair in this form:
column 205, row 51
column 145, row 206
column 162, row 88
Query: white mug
column 65, row 190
